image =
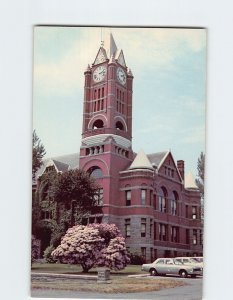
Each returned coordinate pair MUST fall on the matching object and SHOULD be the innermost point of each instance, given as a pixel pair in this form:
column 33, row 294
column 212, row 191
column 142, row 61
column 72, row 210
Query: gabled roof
column 61, row 167
column 101, row 56
column 157, row 159
column 141, row 161
column 189, row 182
column 61, row 163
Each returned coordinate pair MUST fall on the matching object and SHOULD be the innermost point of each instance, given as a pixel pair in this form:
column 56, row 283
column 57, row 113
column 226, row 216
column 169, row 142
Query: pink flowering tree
column 94, row 245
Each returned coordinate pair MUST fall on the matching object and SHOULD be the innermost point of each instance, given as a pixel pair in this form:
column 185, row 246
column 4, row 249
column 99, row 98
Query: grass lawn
column 120, row 282
column 77, row 269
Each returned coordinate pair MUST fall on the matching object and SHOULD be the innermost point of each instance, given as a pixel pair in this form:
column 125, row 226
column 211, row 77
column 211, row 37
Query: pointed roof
column 141, row 161
column 157, row 158
column 189, row 182
column 120, row 58
column 101, row 56
column 110, row 46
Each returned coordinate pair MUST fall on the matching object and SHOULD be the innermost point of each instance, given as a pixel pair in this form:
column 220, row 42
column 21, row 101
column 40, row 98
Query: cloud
column 194, row 135
column 142, row 47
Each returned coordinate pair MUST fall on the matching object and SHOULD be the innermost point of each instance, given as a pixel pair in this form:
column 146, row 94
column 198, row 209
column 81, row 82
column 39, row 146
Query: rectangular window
column 155, row 206
column 143, row 197
column 187, row 236
column 99, row 220
column 47, row 215
column 127, row 227
column 128, row 198
column 143, row 253
column 162, row 232
column 201, row 238
column 151, row 254
column 151, row 198
column 194, row 237
column 99, row 197
column 187, row 211
column 173, row 207
column 155, row 231
column 174, row 234
column 151, row 227
column 194, row 212
column 91, row 220
column 84, row 221
column 160, row 203
column 143, row 227
column 155, row 254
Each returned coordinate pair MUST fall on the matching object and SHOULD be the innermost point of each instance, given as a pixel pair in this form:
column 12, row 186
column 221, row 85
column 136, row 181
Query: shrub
column 94, row 245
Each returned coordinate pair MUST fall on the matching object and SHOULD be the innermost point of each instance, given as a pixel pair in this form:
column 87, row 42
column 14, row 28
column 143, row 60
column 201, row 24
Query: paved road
column 192, row 291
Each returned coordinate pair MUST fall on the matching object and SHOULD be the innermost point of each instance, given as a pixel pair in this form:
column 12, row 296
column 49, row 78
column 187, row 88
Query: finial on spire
column 102, row 43
column 129, row 72
column 88, row 69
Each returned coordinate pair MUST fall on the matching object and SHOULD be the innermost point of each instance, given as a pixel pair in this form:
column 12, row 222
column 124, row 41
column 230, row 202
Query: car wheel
column 183, row 273
column 153, row 272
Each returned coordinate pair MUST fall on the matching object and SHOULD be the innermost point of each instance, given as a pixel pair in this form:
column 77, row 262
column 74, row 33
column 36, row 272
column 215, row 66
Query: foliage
column 201, row 179
column 47, row 254
column 201, row 173
column 66, row 198
column 38, row 152
column 115, row 257
column 94, row 245
column 136, row 259
column 74, row 185
column 35, row 248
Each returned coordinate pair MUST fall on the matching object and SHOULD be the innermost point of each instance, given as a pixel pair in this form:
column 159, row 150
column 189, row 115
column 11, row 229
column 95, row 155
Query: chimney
column 180, row 166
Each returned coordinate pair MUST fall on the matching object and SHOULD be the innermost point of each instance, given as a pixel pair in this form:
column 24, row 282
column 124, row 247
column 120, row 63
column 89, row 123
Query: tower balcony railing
column 104, row 130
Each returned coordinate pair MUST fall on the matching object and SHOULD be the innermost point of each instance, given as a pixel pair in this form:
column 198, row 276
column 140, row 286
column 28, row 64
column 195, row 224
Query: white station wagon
column 171, row 266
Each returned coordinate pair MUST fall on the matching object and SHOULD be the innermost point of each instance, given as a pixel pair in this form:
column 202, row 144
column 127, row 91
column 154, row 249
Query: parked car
column 198, row 259
column 190, row 261
column 171, row 266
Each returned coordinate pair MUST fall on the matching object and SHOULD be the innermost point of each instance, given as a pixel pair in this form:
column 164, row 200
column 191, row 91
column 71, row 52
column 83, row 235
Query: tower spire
column 110, row 46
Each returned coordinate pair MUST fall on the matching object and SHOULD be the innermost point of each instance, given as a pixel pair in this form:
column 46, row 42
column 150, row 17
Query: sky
column 169, row 87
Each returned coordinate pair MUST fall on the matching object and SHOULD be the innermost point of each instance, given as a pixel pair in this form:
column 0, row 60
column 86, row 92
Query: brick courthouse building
column 145, row 195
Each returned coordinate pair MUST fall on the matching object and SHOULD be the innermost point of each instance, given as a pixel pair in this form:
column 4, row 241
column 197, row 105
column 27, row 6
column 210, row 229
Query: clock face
column 99, row 73
column 121, row 75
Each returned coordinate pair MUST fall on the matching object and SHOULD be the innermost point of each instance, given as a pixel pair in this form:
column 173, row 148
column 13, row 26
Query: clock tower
column 106, row 147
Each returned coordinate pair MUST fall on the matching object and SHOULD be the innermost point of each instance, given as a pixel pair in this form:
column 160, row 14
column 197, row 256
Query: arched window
column 163, row 200
column 119, row 125
column 96, row 172
column 98, row 124
column 174, row 203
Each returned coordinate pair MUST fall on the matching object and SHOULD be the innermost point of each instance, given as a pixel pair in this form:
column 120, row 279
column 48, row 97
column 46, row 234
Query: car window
column 177, row 262
column 185, row 260
column 169, row 262
column 160, row 261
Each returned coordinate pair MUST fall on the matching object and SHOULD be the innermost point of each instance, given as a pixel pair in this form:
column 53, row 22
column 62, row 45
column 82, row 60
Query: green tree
column 38, row 152
column 201, row 173
column 75, row 190
column 200, row 181
column 67, row 198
